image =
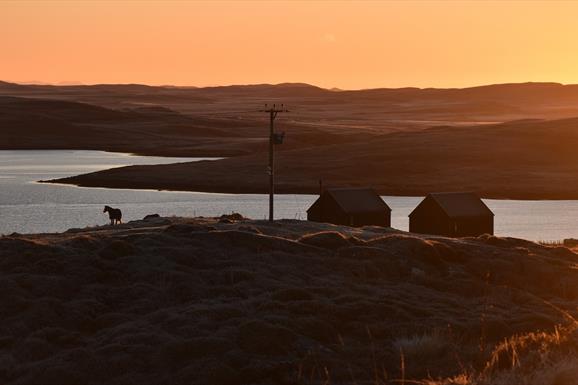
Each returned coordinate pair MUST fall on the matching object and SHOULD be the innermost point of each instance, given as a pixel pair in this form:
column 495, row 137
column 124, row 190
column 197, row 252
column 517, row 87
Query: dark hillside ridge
column 519, row 160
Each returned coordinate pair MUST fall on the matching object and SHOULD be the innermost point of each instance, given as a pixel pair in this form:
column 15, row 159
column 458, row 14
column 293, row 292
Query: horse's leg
column 112, row 222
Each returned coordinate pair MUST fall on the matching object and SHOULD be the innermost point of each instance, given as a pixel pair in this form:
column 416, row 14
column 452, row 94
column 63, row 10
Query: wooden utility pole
column 274, row 138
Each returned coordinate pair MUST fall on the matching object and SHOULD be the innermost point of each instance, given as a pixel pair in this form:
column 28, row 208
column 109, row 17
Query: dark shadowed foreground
column 208, row 301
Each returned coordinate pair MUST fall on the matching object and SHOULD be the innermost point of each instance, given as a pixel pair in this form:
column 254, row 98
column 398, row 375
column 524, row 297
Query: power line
column 220, row 113
column 274, row 138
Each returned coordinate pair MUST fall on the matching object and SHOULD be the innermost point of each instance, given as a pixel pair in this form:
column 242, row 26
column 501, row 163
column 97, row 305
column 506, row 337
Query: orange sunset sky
column 349, row 44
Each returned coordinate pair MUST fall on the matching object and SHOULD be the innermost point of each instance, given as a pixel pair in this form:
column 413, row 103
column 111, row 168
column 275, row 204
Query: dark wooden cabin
column 350, row 207
column 457, row 214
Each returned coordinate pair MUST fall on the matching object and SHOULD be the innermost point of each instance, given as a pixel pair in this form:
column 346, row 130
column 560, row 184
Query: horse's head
column 106, row 208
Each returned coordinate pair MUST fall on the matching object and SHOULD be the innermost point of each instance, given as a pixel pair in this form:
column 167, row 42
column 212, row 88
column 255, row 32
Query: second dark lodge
column 458, row 214
column 350, row 207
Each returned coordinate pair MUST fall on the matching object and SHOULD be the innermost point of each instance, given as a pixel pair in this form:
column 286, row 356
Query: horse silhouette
column 115, row 215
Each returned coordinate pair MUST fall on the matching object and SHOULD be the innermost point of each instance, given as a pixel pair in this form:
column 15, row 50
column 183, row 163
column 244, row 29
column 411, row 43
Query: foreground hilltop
column 234, row 301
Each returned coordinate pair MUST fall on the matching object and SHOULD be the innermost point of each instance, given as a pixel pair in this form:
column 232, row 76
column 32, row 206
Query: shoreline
column 497, row 162
column 131, row 151
column 104, row 183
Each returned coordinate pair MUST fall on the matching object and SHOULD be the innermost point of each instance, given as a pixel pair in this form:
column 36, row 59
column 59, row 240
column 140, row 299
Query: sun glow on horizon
column 349, row 45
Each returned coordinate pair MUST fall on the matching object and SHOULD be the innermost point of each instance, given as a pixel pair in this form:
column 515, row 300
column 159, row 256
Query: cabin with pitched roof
column 456, row 214
column 350, row 207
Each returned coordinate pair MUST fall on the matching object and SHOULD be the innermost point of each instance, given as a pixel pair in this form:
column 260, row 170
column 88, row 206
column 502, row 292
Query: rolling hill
column 34, row 123
column 383, row 110
column 519, row 160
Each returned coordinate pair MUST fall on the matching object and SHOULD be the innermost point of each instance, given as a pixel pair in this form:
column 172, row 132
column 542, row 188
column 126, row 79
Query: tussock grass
column 535, row 358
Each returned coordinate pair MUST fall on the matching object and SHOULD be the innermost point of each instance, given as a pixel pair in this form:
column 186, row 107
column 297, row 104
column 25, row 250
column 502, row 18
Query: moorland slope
column 529, row 159
column 233, row 301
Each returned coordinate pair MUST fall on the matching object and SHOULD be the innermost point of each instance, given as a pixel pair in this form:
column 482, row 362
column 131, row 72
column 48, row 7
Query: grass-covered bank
column 230, row 301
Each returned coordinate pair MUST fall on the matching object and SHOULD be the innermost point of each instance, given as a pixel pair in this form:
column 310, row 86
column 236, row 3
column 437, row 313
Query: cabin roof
column 356, row 200
column 459, row 204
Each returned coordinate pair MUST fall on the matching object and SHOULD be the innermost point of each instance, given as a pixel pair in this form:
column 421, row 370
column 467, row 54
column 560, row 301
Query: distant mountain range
column 380, row 109
column 492, row 90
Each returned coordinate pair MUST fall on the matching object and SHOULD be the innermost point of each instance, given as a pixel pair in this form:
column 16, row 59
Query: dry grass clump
column 535, row 358
column 326, row 239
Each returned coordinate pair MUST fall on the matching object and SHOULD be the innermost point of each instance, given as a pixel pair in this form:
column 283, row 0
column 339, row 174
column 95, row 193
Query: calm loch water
column 30, row 207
